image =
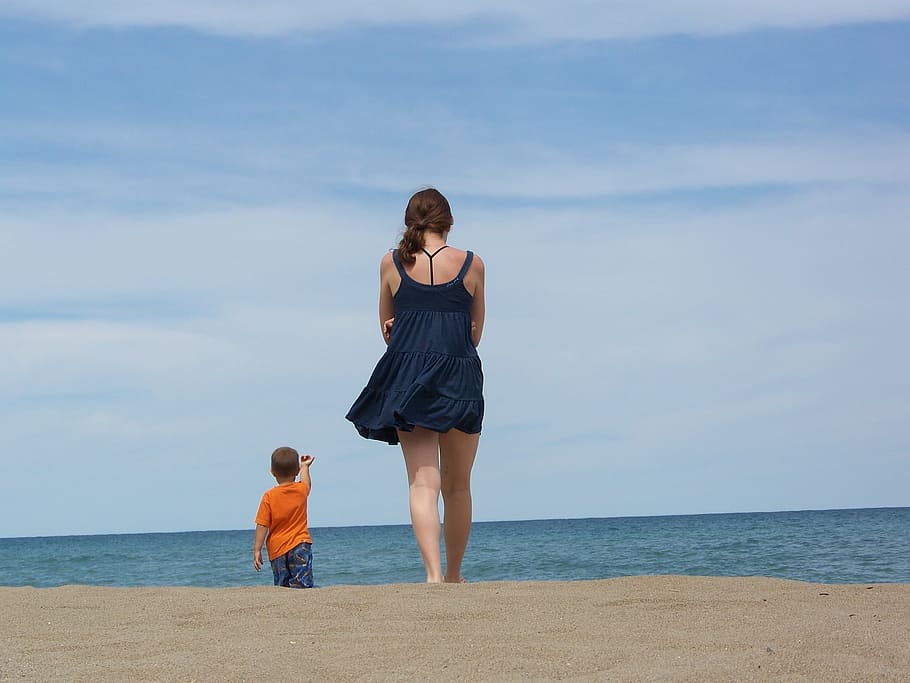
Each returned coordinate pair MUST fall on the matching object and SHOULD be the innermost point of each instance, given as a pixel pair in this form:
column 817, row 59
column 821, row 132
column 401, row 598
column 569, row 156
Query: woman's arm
column 387, row 271
column 478, row 307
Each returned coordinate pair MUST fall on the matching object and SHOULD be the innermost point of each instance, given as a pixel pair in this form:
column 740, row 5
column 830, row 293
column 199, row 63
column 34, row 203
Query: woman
column 426, row 392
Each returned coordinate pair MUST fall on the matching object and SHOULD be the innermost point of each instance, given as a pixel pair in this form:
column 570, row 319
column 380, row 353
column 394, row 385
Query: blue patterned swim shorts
column 294, row 569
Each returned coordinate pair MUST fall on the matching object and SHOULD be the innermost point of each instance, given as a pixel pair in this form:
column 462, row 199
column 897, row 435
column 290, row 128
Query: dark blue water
column 830, row 546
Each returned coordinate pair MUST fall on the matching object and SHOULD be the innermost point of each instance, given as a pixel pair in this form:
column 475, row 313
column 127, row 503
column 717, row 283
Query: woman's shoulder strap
column 397, row 262
column 469, row 256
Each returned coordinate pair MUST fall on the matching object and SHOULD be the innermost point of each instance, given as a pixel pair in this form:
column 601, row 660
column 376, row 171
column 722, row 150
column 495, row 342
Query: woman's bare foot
column 460, row 579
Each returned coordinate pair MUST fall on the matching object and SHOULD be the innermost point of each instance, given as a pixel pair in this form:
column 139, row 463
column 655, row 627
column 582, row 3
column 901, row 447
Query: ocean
column 826, row 546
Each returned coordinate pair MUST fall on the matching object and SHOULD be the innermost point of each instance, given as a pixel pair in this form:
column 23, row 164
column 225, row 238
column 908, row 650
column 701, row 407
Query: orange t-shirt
column 283, row 511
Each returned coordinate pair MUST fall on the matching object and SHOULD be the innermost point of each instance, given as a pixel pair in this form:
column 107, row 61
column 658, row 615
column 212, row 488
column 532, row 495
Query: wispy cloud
column 218, row 167
column 502, row 20
column 539, row 171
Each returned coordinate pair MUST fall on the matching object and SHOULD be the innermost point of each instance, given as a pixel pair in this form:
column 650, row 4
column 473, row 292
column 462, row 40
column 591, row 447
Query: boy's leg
column 300, row 566
column 280, row 570
column 457, row 451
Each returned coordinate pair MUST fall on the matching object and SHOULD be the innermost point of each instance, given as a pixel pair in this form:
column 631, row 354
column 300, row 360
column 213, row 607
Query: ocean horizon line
column 476, row 522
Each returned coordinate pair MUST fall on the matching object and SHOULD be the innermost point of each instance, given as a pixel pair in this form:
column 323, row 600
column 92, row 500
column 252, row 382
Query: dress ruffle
column 420, row 389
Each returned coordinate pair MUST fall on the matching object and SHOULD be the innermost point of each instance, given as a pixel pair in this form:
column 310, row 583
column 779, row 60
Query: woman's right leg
column 421, row 457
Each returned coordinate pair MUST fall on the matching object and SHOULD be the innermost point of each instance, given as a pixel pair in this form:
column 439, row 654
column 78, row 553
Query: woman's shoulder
column 387, row 261
column 474, row 275
column 477, row 264
column 457, row 257
column 462, row 254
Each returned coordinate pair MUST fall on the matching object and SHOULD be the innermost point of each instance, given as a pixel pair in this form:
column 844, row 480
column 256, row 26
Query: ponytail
column 427, row 210
column 411, row 242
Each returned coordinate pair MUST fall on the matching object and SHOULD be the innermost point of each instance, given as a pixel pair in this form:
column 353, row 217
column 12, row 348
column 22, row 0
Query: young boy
column 281, row 521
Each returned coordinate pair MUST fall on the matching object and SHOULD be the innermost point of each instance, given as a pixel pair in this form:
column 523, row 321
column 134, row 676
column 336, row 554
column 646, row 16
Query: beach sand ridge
column 647, row 628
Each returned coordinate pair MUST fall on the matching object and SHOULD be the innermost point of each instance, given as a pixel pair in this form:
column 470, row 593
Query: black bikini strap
column 431, row 259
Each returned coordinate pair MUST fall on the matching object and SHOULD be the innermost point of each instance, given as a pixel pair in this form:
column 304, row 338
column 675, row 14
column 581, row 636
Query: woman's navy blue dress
column 430, row 374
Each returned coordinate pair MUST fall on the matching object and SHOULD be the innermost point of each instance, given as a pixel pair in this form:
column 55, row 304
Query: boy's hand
column 257, row 559
column 307, row 460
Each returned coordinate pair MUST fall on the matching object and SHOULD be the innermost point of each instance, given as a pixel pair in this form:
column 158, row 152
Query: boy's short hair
column 285, row 462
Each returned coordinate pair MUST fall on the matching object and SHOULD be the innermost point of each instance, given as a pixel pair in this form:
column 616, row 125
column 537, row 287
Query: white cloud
column 225, row 256
column 529, row 171
column 502, row 20
column 215, row 167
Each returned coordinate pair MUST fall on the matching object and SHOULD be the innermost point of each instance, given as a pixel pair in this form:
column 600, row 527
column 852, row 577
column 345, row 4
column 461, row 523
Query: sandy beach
column 662, row 628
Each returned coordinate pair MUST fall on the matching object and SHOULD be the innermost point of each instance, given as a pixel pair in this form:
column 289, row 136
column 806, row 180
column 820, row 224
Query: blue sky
column 694, row 221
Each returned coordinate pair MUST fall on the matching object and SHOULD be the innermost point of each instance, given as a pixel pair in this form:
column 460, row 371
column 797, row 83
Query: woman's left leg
column 457, row 451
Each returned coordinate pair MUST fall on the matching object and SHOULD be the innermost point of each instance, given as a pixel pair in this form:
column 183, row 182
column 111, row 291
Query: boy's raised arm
column 305, row 462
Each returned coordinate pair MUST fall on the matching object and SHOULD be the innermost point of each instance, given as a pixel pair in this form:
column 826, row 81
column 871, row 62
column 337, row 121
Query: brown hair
column 427, row 210
column 285, row 462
